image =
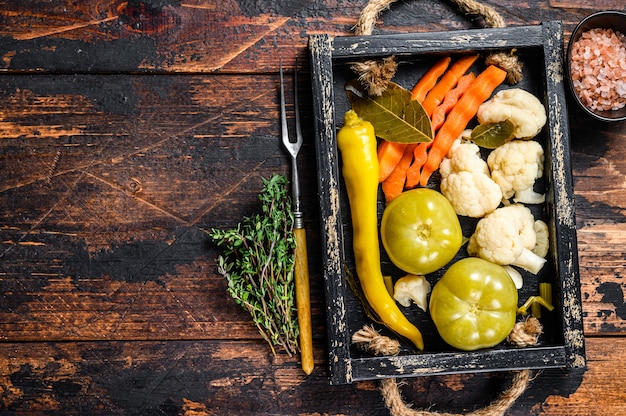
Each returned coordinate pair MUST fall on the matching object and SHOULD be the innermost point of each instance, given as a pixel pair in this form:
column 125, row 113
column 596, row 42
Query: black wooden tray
column 540, row 48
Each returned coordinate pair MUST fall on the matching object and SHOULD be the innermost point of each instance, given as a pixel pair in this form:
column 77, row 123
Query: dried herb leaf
column 395, row 117
column 492, row 135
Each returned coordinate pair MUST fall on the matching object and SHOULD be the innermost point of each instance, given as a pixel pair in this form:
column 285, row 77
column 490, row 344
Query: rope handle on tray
column 375, row 75
column 524, row 333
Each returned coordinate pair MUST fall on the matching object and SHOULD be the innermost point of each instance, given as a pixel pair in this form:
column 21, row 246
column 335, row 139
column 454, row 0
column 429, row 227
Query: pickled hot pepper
column 357, row 143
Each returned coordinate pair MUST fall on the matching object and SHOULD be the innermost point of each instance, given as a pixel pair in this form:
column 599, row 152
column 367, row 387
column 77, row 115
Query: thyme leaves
column 257, row 261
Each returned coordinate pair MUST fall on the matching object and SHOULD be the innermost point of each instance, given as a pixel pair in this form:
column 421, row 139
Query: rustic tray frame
column 347, row 366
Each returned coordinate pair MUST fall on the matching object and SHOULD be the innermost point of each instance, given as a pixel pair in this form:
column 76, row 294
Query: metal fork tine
column 297, row 110
column 283, row 112
column 292, row 146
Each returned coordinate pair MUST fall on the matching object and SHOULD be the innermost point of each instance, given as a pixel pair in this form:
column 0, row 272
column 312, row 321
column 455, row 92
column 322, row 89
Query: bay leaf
column 492, row 135
column 395, row 117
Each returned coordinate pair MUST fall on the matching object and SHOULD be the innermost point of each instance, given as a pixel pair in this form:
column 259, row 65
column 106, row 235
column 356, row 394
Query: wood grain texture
column 170, row 378
column 127, row 129
column 598, row 154
column 197, row 36
column 113, row 208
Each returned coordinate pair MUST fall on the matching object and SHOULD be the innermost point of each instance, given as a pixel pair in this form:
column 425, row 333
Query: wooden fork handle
column 303, row 301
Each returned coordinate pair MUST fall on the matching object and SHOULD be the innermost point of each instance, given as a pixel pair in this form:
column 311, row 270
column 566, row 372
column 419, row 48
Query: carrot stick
column 394, row 184
column 447, row 82
column 429, row 79
column 432, row 101
column 478, row 92
column 450, row 100
column 389, row 155
column 419, row 158
column 420, row 154
column 419, row 93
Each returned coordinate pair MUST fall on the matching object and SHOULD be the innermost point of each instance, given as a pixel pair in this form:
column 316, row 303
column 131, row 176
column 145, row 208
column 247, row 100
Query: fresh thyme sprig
column 258, row 262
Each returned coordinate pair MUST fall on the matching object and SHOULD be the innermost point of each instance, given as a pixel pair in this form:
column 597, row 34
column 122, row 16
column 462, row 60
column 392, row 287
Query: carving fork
column 303, row 300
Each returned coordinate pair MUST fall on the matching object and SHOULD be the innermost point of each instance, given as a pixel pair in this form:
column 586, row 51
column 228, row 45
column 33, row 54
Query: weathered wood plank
column 599, row 167
column 195, row 36
column 115, row 378
column 102, row 231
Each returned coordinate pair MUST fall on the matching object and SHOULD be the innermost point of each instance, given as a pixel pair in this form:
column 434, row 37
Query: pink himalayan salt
column 598, row 69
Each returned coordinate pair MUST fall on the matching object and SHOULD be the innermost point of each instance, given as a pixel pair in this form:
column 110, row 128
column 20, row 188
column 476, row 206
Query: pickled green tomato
column 420, row 231
column 474, row 304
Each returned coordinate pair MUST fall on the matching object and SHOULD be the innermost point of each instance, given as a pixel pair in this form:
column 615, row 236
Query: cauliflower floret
column 471, row 194
column 412, row 288
column 542, row 243
column 465, row 181
column 507, row 237
column 464, row 156
column 518, row 106
column 515, row 166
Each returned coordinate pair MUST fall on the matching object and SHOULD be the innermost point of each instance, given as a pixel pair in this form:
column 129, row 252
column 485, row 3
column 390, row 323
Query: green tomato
column 474, row 304
column 420, row 231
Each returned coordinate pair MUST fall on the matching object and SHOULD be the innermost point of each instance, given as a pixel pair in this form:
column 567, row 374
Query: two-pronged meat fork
column 303, row 300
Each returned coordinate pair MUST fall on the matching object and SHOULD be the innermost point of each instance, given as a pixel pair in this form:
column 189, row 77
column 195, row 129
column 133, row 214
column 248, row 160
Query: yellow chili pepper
column 357, row 143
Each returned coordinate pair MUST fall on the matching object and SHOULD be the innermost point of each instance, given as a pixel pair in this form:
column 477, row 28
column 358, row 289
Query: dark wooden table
column 127, row 129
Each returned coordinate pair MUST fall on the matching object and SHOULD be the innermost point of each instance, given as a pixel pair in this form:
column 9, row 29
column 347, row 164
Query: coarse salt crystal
column 598, row 69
